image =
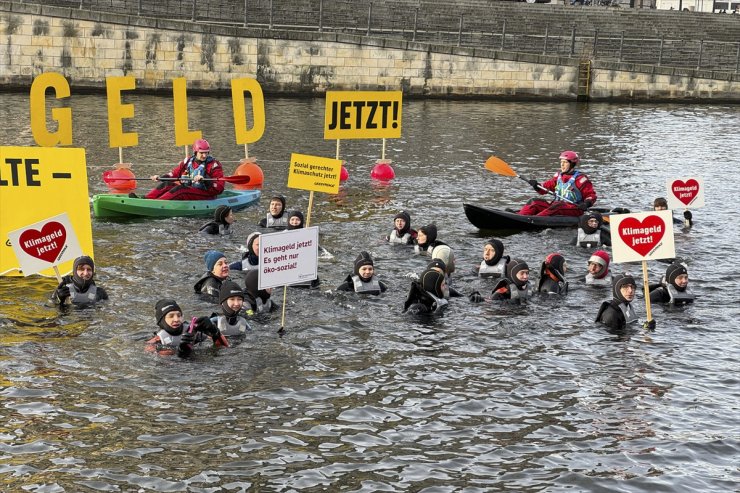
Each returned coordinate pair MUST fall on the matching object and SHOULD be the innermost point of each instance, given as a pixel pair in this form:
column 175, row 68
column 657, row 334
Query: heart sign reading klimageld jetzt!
column 685, row 191
column 46, row 244
column 642, row 236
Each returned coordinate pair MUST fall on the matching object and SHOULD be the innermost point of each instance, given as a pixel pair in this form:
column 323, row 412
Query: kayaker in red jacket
column 568, row 184
column 191, row 172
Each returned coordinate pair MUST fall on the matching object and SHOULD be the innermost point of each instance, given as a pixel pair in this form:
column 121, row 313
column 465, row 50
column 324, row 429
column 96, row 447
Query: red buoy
column 248, row 167
column 343, row 174
column 383, row 170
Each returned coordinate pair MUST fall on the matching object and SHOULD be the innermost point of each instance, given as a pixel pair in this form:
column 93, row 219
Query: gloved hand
column 585, row 204
column 534, row 184
column 650, row 325
column 61, row 293
column 187, row 338
column 475, row 297
column 186, row 344
column 204, row 324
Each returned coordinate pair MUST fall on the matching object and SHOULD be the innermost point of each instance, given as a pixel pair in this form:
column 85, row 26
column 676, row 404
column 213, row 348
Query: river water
column 356, row 396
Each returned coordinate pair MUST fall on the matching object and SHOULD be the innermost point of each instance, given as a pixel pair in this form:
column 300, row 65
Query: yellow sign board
column 363, row 115
column 318, row 174
column 37, row 183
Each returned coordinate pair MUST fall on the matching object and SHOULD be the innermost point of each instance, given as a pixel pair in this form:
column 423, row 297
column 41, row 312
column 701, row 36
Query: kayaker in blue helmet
column 192, row 173
column 79, row 288
column 276, row 216
column 574, row 192
column 223, row 218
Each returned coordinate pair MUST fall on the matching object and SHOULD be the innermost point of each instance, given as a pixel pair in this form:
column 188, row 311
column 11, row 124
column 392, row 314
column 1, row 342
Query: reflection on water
column 355, row 396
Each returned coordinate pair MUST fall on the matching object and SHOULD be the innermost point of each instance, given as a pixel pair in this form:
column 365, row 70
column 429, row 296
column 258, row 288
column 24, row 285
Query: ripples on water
column 357, row 397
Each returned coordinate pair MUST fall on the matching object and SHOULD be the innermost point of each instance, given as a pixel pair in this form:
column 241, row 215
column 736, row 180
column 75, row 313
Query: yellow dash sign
column 318, row 174
column 362, row 115
column 37, row 183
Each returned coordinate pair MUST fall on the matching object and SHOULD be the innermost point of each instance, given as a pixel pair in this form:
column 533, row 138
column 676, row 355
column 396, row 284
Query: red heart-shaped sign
column 685, row 192
column 46, row 244
column 642, row 236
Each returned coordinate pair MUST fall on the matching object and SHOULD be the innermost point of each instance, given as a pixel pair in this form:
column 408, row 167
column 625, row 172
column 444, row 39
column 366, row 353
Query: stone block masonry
column 88, row 47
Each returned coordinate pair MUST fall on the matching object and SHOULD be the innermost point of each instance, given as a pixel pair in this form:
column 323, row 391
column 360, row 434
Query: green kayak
column 109, row 205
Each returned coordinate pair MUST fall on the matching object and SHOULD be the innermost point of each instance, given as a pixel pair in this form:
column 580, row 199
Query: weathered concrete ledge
column 88, row 46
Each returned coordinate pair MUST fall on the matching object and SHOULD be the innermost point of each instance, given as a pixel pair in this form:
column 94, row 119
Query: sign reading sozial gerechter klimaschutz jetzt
column 363, row 115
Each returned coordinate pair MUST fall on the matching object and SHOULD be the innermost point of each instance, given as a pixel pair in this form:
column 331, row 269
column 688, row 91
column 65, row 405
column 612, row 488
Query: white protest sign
column 288, row 257
column 685, row 193
column 44, row 244
column 642, row 236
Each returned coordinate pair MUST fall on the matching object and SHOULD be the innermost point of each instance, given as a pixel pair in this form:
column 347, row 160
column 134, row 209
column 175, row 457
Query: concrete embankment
column 89, row 46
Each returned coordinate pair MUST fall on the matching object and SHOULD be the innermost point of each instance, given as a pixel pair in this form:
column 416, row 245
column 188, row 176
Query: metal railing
column 404, row 20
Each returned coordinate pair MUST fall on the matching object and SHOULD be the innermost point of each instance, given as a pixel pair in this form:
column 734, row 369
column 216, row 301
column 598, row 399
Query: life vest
column 625, row 313
column 77, row 297
column 276, row 222
column 239, row 328
column 594, row 281
column 496, row 270
column 629, row 313
column 192, row 169
column 224, row 229
column 519, row 295
column 167, row 339
column 263, row 306
column 680, row 297
column 421, row 250
column 588, row 240
column 246, row 265
column 366, row 287
column 568, row 190
column 402, row 240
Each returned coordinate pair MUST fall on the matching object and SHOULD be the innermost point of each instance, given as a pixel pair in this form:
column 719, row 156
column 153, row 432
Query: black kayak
column 499, row 219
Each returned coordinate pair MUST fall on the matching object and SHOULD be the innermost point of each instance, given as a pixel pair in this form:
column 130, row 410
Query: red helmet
column 571, row 156
column 201, row 145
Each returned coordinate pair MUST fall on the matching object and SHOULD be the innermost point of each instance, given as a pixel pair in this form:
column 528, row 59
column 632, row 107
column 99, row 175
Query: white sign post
column 685, row 193
column 288, row 257
column 45, row 244
column 643, row 236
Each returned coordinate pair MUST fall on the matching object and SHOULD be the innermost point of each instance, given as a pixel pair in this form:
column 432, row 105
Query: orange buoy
column 117, row 179
column 343, row 174
column 383, row 170
column 248, row 167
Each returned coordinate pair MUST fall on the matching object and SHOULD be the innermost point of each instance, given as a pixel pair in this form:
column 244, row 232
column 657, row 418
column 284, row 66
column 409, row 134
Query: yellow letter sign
column 63, row 116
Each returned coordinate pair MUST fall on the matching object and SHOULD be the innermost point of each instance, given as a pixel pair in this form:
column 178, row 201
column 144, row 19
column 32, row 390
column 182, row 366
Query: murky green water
column 357, row 397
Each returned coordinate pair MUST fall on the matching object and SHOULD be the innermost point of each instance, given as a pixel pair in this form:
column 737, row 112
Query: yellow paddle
column 501, row 167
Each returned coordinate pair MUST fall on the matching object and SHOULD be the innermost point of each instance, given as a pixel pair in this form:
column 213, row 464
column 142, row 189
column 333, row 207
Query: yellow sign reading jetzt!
column 37, row 183
column 362, row 115
column 318, row 174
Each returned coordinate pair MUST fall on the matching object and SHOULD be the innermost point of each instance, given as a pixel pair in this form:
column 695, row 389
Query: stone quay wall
column 86, row 47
